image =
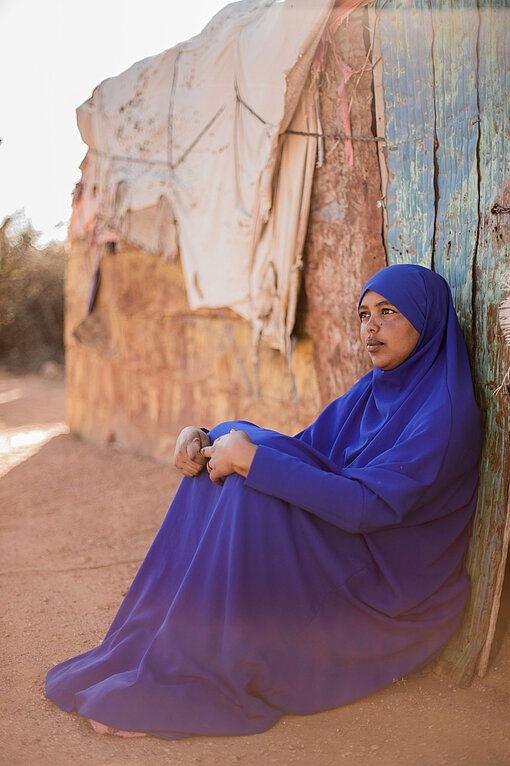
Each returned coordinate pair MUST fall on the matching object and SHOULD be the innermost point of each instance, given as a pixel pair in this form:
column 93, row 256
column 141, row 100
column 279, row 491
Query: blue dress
column 333, row 568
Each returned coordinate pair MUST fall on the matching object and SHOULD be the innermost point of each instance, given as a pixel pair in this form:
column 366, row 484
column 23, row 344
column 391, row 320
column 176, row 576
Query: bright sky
column 52, row 55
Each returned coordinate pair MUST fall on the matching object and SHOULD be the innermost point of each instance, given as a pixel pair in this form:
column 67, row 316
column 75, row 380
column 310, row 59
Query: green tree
column 31, row 296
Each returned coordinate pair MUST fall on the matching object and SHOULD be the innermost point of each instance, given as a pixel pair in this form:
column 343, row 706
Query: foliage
column 31, row 296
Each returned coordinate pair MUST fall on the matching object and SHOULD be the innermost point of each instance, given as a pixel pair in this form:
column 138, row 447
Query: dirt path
column 76, row 521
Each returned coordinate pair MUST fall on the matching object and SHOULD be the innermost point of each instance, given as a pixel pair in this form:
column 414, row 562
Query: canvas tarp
column 188, row 149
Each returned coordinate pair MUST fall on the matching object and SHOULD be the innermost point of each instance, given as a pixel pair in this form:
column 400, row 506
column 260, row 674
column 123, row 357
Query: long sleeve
column 327, row 495
column 355, row 503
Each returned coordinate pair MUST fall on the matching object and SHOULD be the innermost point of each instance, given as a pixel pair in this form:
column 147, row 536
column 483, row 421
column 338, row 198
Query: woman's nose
column 371, row 325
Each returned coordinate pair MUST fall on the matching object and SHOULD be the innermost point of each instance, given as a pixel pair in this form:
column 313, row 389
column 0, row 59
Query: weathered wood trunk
column 344, row 243
column 447, row 125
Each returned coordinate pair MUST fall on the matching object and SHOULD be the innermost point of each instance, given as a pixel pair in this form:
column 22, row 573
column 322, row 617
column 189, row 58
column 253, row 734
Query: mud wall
column 142, row 365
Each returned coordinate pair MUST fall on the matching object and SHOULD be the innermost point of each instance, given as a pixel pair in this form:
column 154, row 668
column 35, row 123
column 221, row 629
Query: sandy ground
column 76, row 521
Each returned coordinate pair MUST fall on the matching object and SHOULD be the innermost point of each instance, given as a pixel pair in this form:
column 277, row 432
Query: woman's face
column 388, row 336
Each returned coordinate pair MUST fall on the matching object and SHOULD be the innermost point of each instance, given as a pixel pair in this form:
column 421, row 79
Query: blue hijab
column 411, row 433
column 425, row 299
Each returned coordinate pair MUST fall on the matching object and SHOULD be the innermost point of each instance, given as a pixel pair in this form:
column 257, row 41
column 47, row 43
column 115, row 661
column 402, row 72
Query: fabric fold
column 188, row 154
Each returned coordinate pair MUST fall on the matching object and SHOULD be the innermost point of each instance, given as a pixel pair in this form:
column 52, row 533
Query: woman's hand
column 188, row 458
column 231, row 453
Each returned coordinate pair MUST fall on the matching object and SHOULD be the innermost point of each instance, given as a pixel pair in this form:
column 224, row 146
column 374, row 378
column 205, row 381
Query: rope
column 305, row 133
column 173, row 165
column 122, row 158
column 335, row 135
column 248, row 107
column 197, row 139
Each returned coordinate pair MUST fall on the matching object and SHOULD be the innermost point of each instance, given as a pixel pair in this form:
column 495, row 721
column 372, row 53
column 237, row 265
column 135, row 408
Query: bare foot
column 102, row 728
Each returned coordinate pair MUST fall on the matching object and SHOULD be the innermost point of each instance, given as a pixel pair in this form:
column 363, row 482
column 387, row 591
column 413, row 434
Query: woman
column 300, row 573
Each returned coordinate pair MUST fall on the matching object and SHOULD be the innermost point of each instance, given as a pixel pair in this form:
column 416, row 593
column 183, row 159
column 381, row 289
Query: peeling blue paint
column 330, row 213
column 446, row 82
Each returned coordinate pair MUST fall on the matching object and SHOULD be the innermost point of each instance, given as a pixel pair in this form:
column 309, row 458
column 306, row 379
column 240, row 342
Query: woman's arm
column 325, row 494
column 366, row 499
column 284, row 476
column 339, row 500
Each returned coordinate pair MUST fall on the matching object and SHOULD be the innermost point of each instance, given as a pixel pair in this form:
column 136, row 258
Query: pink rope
column 318, row 68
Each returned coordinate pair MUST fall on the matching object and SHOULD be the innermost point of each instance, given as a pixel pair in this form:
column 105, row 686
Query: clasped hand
column 231, row 453
column 187, row 456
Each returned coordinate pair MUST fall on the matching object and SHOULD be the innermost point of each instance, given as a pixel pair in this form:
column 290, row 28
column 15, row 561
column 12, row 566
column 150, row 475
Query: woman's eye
column 363, row 315
column 388, row 311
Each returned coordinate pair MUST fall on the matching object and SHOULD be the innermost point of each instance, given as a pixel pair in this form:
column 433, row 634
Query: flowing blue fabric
column 335, row 567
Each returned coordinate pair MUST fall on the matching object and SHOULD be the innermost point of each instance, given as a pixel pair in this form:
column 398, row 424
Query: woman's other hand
column 231, row 453
column 188, row 458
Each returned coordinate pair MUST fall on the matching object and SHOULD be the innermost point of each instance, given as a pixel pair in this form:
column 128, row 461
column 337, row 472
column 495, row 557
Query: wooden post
column 448, row 121
column 344, row 241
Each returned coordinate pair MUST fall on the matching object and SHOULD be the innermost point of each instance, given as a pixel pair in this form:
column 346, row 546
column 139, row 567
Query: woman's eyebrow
column 380, row 303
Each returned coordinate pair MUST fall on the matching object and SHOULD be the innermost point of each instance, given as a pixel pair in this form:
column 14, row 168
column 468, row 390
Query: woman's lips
column 373, row 345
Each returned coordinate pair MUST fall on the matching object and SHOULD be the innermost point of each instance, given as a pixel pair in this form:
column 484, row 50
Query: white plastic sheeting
column 188, row 150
